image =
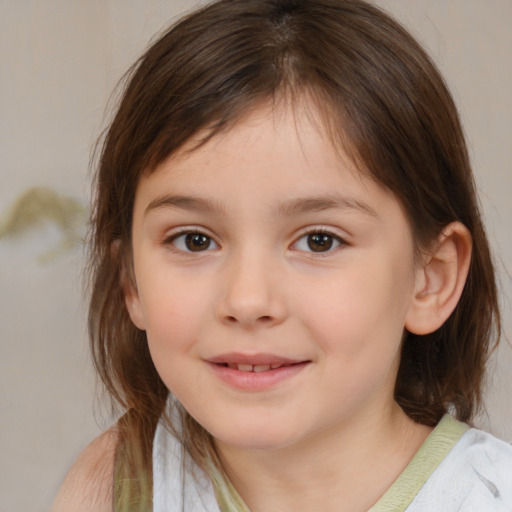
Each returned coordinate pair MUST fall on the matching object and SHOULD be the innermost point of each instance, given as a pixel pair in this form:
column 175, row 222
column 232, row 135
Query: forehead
column 281, row 131
column 270, row 157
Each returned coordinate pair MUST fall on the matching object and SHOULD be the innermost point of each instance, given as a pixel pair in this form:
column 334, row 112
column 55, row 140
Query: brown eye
column 193, row 242
column 197, row 242
column 320, row 242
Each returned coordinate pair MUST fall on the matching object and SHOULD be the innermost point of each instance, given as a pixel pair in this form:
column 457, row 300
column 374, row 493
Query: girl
column 293, row 298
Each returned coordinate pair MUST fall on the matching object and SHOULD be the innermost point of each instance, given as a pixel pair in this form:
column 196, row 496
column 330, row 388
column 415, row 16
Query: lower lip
column 256, row 381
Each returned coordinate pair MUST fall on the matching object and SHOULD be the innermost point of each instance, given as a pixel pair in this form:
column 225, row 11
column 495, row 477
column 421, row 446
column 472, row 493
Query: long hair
column 380, row 97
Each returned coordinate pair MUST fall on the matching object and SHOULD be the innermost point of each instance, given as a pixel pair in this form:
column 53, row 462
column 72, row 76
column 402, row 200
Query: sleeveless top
column 456, row 469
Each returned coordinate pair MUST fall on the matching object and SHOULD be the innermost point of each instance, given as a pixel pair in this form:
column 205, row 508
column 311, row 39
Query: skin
column 259, row 288
column 89, row 484
column 256, row 200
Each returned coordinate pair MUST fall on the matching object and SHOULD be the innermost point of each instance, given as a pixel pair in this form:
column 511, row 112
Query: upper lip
column 253, row 359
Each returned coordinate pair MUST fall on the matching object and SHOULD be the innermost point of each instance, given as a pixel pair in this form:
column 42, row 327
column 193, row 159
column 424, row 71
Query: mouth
column 254, row 362
column 257, row 368
column 255, row 372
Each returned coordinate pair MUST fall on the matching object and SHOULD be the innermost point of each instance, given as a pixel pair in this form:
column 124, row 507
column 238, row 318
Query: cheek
column 175, row 309
column 360, row 311
column 174, row 319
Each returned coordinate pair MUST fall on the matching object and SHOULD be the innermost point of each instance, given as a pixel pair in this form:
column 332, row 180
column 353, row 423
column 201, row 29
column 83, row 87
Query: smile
column 258, row 368
column 258, row 372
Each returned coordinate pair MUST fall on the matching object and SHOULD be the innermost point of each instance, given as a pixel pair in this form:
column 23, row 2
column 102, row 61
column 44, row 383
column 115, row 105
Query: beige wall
column 59, row 60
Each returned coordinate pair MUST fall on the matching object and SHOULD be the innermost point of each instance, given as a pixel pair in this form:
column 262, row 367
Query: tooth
column 275, row 365
column 245, row 367
column 261, row 368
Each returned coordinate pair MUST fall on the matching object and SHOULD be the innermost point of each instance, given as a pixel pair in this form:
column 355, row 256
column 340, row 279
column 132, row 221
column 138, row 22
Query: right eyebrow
column 189, row 203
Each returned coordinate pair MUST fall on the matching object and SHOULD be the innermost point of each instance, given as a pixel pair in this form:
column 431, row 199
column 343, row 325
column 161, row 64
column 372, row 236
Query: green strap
column 133, row 472
column 431, row 453
column 401, row 493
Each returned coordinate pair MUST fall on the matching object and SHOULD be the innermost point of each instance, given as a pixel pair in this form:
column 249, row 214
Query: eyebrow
column 189, row 203
column 288, row 208
column 324, row 202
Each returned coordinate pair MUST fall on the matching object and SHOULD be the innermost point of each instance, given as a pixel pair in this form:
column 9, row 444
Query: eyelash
column 335, row 240
column 171, row 240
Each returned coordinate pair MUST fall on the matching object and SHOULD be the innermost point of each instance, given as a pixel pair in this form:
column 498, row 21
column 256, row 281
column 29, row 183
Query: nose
column 253, row 295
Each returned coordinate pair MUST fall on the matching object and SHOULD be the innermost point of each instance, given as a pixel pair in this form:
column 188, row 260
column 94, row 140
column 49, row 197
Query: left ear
column 440, row 280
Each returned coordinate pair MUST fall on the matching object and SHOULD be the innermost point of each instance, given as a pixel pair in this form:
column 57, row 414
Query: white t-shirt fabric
column 474, row 476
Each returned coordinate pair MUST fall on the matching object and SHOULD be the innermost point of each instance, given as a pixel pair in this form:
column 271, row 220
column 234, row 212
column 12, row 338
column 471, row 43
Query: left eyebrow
column 324, row 202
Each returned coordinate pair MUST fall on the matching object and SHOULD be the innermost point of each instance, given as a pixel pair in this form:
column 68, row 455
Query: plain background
column 59, row 62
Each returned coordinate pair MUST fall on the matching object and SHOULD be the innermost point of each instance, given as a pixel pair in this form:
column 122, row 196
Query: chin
column 250, row 438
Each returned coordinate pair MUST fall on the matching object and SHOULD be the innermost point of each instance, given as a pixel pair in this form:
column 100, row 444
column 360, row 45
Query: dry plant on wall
column 38, row 206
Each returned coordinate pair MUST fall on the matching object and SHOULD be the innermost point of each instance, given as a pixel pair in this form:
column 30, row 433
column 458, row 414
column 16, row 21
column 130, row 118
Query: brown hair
column 380, row 96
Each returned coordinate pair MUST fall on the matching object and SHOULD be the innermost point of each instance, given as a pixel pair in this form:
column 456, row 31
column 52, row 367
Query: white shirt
column 473, row 474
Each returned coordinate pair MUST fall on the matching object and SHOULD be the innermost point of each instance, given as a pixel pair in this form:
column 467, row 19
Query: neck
column 347, row 467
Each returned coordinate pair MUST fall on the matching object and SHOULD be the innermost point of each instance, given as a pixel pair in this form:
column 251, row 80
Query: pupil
column 319, row 242
column 197, row 242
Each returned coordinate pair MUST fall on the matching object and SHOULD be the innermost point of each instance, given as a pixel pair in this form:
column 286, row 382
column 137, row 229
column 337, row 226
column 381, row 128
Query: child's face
column 265, row 247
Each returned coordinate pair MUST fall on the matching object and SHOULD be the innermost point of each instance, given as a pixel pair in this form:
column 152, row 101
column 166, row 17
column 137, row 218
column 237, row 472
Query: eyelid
column 170, row 238
column 321, row 230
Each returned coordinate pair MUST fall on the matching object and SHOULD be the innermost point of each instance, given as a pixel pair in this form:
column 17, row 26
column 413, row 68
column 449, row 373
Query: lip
column 253, row 359
column 255, row 381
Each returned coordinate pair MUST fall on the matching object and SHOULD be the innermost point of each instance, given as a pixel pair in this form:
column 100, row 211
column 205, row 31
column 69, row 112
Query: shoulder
column 475, row 476
column 483, row 449
column 89, row 483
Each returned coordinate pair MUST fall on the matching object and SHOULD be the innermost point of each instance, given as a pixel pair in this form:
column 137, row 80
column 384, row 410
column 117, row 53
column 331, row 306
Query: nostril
column 265, row 319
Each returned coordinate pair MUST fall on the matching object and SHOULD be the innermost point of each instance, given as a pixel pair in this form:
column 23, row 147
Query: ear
column 133, row 304
column 440, row 280
column 129, row 287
